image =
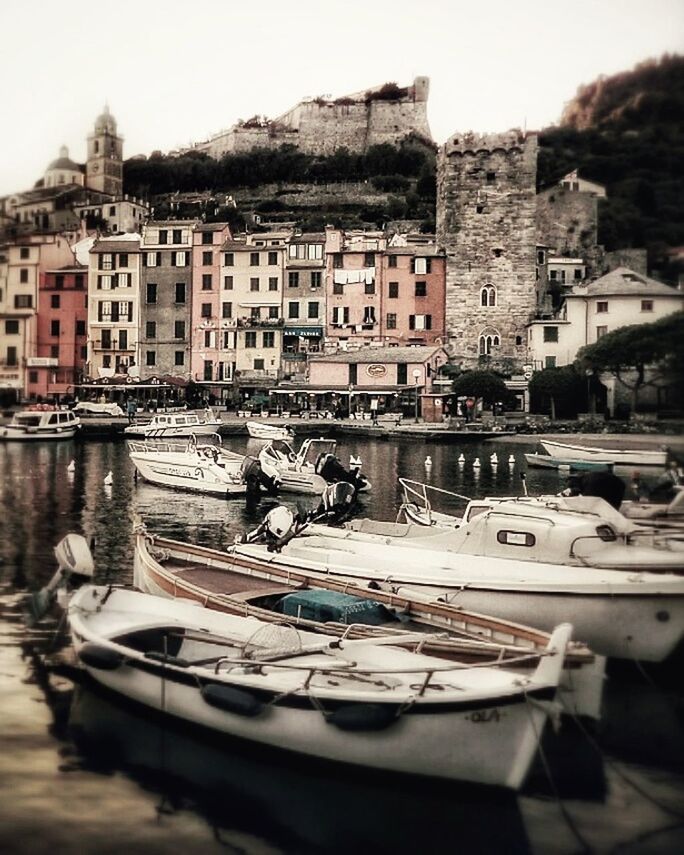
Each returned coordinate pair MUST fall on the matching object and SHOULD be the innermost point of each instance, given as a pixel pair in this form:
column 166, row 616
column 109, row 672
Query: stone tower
column 486, row 203
column 104, row 169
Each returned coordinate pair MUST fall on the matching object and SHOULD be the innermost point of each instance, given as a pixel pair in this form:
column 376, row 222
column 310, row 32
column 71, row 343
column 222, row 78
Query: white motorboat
column 359, row 702
column 308, row 470
column 617, row 456
column 200, row 466
column 33, row 425
column 527, row 560
column 260, row 430
column 231, row 583
column 171, row 425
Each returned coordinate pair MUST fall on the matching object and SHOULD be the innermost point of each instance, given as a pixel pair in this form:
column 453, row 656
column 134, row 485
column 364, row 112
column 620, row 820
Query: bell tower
column 104, row 169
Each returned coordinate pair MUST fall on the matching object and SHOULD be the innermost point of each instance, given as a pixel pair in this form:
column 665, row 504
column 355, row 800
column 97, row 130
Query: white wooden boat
column 359, row 702
column 201, row 467
column 617, row 456
column 529, row 560
column 260, row 430
column 545, row 461
column 170, row 425
column 35, row 425
column 308, row 470
column 231, row 583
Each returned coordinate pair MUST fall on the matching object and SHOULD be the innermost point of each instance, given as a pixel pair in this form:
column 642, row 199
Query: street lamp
column 416, row 378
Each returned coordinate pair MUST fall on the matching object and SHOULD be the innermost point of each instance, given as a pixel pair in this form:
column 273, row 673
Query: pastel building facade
column 304, row 304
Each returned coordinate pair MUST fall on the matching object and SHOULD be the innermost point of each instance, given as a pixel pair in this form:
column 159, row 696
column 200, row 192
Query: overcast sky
column 179, row 70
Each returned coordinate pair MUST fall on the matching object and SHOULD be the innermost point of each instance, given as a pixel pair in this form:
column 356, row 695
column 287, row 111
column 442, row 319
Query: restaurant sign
column 375, row 369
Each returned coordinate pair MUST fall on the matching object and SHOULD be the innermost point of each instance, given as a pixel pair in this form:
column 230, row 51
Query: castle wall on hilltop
column 321, row 127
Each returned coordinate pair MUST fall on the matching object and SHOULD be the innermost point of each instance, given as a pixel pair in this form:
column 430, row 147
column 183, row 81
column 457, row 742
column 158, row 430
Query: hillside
column 627, row 132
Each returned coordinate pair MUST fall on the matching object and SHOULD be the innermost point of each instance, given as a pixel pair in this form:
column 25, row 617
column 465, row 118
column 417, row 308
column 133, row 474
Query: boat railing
column 657, row 538
column 416, row 493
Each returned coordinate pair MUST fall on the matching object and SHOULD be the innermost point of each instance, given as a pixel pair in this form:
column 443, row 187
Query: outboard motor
column 279, row 526
column 75, row 566
column 604, row 485
column 336, row 504
column 329, row 467
column 256, row 474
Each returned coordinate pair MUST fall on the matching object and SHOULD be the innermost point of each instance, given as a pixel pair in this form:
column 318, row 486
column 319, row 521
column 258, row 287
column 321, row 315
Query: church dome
column 64, row 161
column 105, row 122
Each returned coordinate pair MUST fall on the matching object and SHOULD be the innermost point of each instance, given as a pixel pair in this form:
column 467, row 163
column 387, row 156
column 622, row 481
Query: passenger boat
column 546, row 461
column 526, row 560
column 32, row 425
column 171, row 425
column 617, row 456
column 201, row 467
column 231, row 583
column 260, row 430
column 360, row 702
column 308, row 470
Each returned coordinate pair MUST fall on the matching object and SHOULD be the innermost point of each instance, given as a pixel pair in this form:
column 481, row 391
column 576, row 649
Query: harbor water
column 83, row 772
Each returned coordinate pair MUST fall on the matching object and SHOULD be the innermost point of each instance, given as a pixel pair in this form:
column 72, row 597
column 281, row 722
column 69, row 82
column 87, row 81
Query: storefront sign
column 304, row 332
column 376, row 370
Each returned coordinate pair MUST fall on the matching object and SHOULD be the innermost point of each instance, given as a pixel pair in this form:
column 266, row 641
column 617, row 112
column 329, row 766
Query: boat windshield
column 27, row 419
column 282, row 447
column 317, row 447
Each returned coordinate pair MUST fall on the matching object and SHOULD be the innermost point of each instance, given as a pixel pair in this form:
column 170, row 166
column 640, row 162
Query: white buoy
column 428, row 462
column 477, row 464
column 71, row 467
column 109, row 479
column 461, row 459
column 494, row 459
column 511, row 460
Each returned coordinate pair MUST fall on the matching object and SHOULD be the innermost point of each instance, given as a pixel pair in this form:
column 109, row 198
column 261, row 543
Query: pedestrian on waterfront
column 470, row 409
column 131, row 409
column 374, row 410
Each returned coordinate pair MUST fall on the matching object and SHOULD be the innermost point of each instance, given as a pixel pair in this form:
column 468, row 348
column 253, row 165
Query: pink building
column 61, row 333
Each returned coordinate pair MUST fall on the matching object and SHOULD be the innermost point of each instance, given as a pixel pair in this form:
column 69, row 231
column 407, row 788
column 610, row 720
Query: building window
column 179, row 259
column 393, row 290
column 11, row 327
column 84, row 352
column 391, row 321
column 578, row 274
column 179, row 357
column 337, row 288
column 369, row 288
column 80, row 327
column 491, row 177
column 337, row 260
column 293, row 279
column 421, row 289
column 123, row 259
column 163, row 238
column 479, row 209
column 151, row 292
column 549, row 362
column 78, row 281
column 229, row 259
column 601, row 307
column 368, row 315
column 33, row 376
column 54, row 351
column 227, row 283
column 316, row 279
column 353, row 373
column 23, row 275
column 150, row 358
column 392, row 261
column 206, row 310
column 227, row 310
column 488, row 295
column 487, row 341
column 600, row 332
column 106, row 360
column 254, row 259
column 293, row 310
column 54, row 327
column 369, row 259
column 421, row 265
column 180, row 292
column 179, row 329
column 647, row 305
column 59, row 281
column 518, row 340
column 207, row 259
column 551, row 334
column 54, row 301
column 23, row 301
column 272, row 283
column 540, row 256
column 11, row 356
column 340, row 315
column 208, row 338
column 273, row 312
column 258, row 364
column 151, row 329
column 420, row 322
column 273, row 258
column 250, row 339
column 269, row 339
column 207, row 280
column 206, row 238
column 254, row 283
column 255, row 313
column 313, row 311
column 24, row 252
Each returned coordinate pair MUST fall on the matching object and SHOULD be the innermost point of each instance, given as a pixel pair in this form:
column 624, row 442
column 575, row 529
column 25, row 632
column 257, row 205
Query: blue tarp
column 331, row 606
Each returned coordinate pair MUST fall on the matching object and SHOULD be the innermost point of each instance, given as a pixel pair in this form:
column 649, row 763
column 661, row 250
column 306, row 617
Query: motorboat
column 260, row 430
column 362, row 702
column 310, row 469
column 170, row 425
column 33, row 425
column 546, row 461
column 616, row 456
column 527, row 560
column 199, row 465
column 232, row 583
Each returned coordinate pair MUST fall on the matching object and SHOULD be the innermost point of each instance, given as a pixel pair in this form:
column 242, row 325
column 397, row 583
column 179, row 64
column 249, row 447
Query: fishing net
column 272, row 640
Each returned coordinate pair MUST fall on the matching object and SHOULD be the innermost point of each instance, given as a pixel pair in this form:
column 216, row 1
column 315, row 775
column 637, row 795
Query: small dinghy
column 617, row 456
column 259, row 430
column 360, row 702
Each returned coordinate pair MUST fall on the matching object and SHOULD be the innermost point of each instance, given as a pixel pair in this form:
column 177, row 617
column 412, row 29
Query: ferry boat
column 33, row 425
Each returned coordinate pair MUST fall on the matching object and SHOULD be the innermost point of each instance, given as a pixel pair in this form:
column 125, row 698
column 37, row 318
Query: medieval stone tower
column 486, row 207
column 104, row 169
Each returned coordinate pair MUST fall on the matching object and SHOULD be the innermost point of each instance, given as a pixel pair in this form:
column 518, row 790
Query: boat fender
column 233, row 700
column 363, row 717
column 102, row 658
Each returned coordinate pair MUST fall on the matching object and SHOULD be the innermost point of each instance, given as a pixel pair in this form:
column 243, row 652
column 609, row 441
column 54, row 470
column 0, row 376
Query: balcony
column 113, row 347
column 252, row 323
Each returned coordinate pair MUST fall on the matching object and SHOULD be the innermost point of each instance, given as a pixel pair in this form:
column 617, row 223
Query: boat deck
column 219, row 581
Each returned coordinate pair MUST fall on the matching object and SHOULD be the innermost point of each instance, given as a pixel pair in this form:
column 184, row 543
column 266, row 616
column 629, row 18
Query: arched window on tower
column 96, row 147
column 488, row 295
column 489, row 338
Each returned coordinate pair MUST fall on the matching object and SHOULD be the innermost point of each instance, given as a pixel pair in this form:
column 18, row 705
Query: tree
column 555, row 386
column 483, row 385
column 639, row 355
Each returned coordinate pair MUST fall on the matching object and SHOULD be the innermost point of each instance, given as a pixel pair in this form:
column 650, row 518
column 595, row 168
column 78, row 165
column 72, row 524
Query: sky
column 175, row 71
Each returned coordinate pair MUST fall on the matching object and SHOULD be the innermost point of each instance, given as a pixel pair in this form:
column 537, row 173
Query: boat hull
column 17, row 435
column 617, row 456
column 187, row 475
column 171, row 432
column 545, row 461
